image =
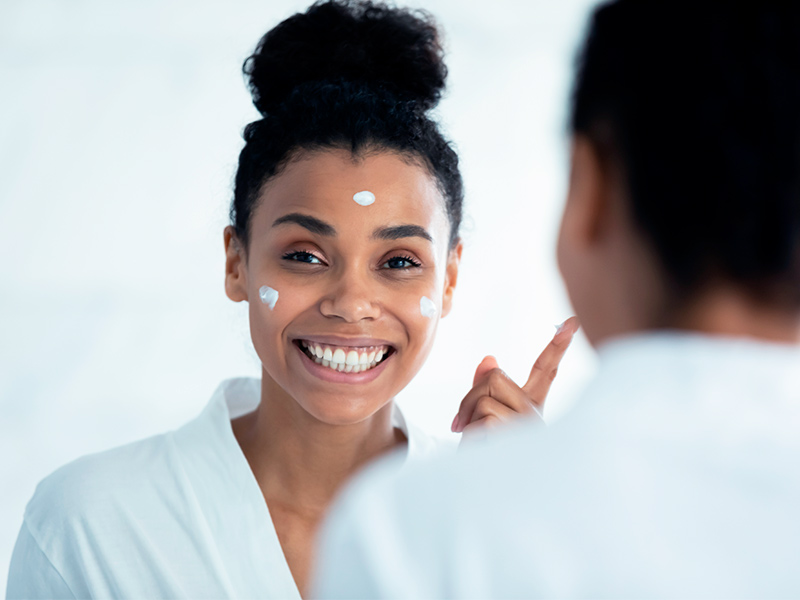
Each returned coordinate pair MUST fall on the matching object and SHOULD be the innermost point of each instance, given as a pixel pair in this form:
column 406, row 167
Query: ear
column 587, row 211
column 235, row 267
column 451, row 277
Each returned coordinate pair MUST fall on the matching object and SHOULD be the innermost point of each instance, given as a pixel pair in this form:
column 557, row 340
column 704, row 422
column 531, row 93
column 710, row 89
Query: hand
column 495, row 399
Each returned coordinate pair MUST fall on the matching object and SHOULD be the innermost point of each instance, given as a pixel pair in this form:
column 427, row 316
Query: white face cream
column 364, row 198
column 427, row 307
column 268, row 295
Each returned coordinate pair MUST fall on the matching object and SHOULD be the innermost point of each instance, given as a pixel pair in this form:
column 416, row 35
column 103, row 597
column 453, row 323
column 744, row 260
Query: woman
column 344, row 241
column 675, row 474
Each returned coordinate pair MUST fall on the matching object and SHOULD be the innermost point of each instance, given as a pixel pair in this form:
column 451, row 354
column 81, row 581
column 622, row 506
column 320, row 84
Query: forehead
column 323, row 184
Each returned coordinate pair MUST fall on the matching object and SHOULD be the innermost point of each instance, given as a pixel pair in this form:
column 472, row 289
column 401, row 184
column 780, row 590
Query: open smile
column 345, row 359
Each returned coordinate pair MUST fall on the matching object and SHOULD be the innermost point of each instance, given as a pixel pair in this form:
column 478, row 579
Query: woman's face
column 351, row 280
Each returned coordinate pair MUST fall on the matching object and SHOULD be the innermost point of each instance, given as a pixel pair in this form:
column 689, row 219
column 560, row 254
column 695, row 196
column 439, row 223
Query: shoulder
column 140, row 475
column 479, row 501
column 93, row 488
column 469, row 475
column 479, row 471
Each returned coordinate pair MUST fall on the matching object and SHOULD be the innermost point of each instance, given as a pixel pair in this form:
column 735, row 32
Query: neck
column 726, row 312
column 301, row 461
column 719, row 311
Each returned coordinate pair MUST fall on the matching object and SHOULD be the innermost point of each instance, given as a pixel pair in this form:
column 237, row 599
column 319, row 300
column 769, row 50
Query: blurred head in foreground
column 684, row 203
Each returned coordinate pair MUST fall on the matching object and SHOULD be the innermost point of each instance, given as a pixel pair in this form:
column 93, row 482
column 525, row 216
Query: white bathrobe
column 178, row 515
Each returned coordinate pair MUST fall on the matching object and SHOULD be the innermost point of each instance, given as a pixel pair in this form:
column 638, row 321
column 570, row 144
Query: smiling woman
column 347, row 333
column 344, row 242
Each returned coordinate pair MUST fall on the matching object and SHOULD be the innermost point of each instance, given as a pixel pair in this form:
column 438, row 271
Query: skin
column 309, row 435
column 614, row 278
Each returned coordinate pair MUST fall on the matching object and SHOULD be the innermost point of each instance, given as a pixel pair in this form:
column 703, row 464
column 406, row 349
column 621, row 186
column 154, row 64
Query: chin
column 342, row 410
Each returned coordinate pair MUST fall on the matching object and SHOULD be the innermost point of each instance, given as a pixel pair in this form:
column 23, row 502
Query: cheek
column 569, row 274
column 566, row 257
column 419, row 310
column 265, row 323
column 274, row 304
column 581, row 276
column 562, row 258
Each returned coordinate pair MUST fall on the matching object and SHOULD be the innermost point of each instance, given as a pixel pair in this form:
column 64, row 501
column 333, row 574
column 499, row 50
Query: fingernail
column 454, row 426
column 560, row 328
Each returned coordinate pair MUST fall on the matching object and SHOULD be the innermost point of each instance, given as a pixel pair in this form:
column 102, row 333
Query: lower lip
column 327, row 374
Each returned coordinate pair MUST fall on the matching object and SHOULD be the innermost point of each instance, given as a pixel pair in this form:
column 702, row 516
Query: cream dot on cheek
column 427, row 308
column 269, row 296
column 364, row 198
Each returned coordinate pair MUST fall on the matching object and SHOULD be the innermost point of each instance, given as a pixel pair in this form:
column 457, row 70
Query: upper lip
column 337, row 340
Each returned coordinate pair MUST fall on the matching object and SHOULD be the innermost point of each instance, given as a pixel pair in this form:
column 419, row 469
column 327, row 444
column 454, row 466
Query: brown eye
column 305, row 257
column 400, row 262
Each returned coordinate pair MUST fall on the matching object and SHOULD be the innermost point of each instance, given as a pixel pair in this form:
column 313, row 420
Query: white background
column 120, row 125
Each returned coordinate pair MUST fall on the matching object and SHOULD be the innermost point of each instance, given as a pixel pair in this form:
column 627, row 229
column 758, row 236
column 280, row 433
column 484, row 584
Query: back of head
column 698, row 103
column 348, row 74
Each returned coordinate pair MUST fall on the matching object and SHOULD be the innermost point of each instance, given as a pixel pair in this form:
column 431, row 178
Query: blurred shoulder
column 437, row 519
column 570, row 460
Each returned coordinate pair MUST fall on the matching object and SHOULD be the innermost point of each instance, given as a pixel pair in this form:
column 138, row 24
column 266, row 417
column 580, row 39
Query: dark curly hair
column 699, row 103
column 346, row 74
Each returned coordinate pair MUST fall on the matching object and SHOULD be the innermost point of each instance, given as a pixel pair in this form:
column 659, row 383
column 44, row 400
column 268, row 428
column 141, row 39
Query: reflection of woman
column 344, row 241
column 676, row 473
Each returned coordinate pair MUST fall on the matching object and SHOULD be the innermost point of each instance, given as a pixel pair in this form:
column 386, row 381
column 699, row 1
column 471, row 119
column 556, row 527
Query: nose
column 353, row 297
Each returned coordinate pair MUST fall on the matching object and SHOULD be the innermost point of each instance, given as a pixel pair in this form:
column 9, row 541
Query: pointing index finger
column 546, row 366
column 487, row 364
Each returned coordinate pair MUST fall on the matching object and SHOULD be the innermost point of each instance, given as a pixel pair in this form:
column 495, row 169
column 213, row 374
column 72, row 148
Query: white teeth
column 341, row 360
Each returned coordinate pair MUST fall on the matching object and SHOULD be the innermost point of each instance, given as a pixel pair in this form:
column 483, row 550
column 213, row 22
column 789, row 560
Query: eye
column 304, row 257
column 400, row 262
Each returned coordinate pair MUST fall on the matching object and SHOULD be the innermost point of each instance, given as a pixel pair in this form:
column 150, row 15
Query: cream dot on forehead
column 269, row 296
column 364, row 198
column 427, row 308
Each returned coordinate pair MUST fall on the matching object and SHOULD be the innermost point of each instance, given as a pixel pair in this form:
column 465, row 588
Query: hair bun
column 352, row 40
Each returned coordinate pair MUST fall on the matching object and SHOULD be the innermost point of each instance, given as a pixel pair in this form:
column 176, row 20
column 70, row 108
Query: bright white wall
column 120, row 126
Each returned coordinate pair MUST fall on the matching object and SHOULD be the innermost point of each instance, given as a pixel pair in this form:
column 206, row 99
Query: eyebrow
column 401, row 231
column 320, row 227
column 313, row 224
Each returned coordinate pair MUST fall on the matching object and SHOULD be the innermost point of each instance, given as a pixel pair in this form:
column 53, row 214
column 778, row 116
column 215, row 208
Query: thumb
column 487, row 364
